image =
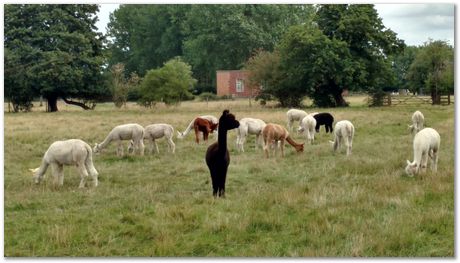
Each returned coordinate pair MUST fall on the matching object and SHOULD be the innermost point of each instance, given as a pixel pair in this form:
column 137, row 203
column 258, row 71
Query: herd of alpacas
column 272, row 136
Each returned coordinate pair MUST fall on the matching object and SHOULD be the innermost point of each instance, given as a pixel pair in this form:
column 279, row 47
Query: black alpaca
column 325, row 119
column 217, row 156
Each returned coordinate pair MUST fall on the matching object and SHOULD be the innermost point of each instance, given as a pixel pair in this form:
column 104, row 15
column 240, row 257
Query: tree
column 56, row 51
column 432, row 70
column 225, row 36
column 369, row 43
column 170, row 84
column 401, row 63
column 314, row 65
column 145, row 36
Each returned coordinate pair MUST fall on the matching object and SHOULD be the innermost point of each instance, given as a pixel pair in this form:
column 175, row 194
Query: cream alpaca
column 249, row 126
column 426, row 143
column 294, row 115
column 307, row 126
column 157, row 131
column 343, row 131
column 417, row 122
column 131, row 131
column 70, row 152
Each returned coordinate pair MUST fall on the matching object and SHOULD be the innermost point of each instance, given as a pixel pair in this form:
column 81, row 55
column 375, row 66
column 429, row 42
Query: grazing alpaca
column 426, row 143
column 133, row 132
column 344, row 130
column 417, row 122
column 70, row 152
column 217, row 155
column 325, row 119
column 294, row 115
column 307, row 126
column 273, row 133
column 204, row 126
column 248, row 126
column 181, row 135
column 157, row 131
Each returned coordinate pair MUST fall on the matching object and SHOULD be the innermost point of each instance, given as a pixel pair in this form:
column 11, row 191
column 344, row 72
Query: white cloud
column 416, row 23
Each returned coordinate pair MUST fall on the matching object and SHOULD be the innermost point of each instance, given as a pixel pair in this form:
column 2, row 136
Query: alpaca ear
column 408, row 162
column 225, row 112
column 34, row 170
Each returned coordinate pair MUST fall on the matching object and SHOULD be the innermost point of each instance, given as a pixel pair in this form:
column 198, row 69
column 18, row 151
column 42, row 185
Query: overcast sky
column 414, row 23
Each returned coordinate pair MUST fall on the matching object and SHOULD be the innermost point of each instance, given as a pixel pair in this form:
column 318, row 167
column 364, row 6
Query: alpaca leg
column 120, row 148
column 61, row 175
column 141, row 147
column 197, row 139
column 221, row 177
column 350, row 145
column 434, row 161
column 289, row 124
column 55, row 170
column 156, row 147
column 205, row 136
column 172, row 146
column 92, row 171
column 424, row 162
column 214, row 179
column 83, row 174
column 347, row 145
column 282, row 147
column 150, row 146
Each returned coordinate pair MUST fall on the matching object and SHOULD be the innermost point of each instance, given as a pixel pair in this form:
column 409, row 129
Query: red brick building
column 235, row 84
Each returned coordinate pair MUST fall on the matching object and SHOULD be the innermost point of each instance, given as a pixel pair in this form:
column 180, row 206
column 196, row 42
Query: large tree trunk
column 339, row 100
column 52, row 103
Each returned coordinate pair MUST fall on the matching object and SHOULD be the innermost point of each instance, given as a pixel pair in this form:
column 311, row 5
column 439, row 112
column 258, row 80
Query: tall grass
column 314, row 204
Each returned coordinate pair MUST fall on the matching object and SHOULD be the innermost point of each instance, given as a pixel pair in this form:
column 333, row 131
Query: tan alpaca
column 273, row 133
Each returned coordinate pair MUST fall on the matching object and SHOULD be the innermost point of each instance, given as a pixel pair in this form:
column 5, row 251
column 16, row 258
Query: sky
column 413, row 23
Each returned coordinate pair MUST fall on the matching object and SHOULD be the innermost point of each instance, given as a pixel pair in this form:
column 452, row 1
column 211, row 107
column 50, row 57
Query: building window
column 239, row 85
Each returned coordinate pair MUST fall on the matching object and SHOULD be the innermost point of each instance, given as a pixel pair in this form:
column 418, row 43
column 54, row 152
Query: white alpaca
column 249, row 126
column 426, row 143
column 307, row 126
column 343, row 131
column 294, row 115
column 131, row 131
column 70, row 152
column 417, row 122
column 157, row 131
column 213, row 119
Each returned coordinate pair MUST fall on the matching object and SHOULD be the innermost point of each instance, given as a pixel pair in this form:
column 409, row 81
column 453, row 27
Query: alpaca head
column 228, row 120
column 96, row 148
column 34, row 174
column 299, row 148
column 214, row 126
column 411, row 168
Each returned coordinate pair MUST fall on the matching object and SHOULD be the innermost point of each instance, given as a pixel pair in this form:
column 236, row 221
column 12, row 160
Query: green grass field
column 314, row 204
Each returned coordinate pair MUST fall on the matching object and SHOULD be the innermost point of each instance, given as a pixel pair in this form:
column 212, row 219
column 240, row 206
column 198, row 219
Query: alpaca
column 133, row 132
column 294, row 115
column 70, row 152
column 181, row 135
column 276, row 133
column 204, row 126
column 417, row 122
column 157, row 131
column 217, row 155
column 325, row 119
column 307, row 126
column 426, row 143
column 248, row 126
column 344, row 130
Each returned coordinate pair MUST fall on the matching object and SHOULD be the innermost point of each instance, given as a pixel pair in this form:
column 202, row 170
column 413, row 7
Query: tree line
column 169, row 53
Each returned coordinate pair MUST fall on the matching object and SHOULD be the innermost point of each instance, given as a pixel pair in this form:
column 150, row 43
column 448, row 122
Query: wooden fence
column 406, row 100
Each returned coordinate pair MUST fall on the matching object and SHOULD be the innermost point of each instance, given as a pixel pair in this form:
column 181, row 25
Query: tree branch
column 76, row 103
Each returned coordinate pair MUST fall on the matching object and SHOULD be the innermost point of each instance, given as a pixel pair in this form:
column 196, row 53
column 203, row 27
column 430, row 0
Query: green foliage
column 432, row 70
column 56, row 51
column 400, row 65
column 208, row 96
column 170, row 84
column 122, row 87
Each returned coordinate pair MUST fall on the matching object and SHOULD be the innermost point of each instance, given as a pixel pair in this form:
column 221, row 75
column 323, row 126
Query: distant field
column 314, row 204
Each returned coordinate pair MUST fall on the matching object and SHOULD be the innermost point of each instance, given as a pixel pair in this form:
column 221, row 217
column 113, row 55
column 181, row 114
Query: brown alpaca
column 204, row 126
column 273, row 133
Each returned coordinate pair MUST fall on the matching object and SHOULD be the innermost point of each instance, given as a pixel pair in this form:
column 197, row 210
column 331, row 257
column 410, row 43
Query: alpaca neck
column 292, row 142
column 222, row 138
column 106, row 142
